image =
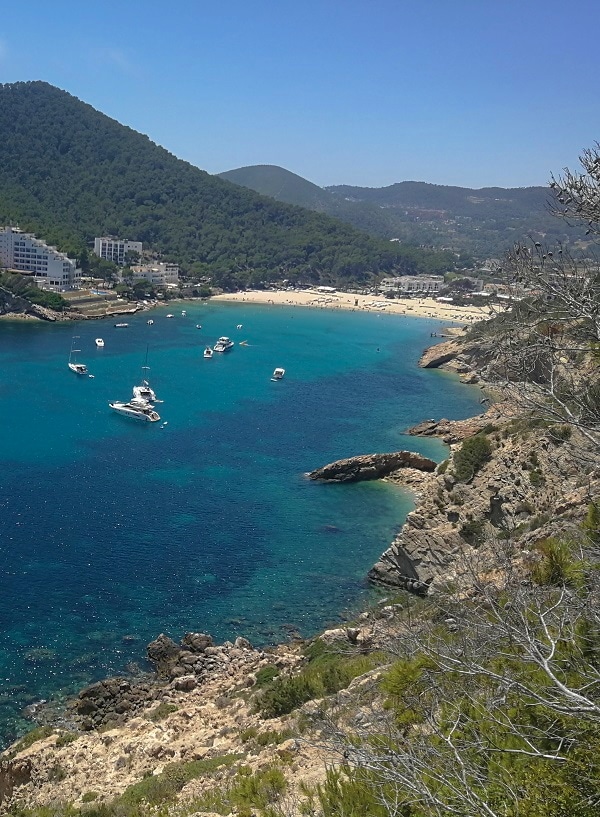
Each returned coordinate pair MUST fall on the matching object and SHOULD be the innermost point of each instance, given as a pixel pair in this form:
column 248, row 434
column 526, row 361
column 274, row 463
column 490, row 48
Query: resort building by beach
column 115, row 249
column 412, row 285
column 24, row 253
column 159, row 274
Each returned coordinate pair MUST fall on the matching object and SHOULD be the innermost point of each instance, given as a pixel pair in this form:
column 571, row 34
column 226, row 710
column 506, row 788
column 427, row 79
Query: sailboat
column 78, row 368
column 144, row 390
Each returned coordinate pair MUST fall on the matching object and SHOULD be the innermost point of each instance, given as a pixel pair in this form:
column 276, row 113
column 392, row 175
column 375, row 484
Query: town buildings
column 24, row 253
column 115, row 249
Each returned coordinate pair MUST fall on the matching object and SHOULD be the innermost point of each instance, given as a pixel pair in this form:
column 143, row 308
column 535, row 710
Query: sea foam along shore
column 417, row 308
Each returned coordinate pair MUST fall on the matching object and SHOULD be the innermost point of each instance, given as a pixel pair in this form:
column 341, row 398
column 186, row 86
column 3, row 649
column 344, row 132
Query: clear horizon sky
column 473, row 93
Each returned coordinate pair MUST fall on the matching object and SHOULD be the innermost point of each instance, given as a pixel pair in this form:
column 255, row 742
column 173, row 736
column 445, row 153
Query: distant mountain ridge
column 69, row 173
column 483, row 221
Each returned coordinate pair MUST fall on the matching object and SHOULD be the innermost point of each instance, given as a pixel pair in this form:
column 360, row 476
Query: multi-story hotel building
column 114, row 249
column 159, row 274
column 23, row 252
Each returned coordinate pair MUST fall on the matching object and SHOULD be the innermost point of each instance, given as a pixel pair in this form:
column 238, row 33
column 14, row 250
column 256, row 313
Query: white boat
column 150, row 322
column 183, row 313
column 170, row 316
column 223, row 344
column 121, row 325
column 136, row 409
column 99, row 342
column 144, row 392
column 208, row 352
column 78, row 368
column 278, row 374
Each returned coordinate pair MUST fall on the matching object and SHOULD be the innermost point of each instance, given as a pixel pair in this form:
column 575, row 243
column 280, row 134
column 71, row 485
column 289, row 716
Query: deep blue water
column 114, row 531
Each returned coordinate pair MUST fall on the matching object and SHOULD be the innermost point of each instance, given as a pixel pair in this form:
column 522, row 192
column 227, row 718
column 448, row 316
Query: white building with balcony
column 413, row 285
column 159, row 274
column 115, row 249
column 24, row 253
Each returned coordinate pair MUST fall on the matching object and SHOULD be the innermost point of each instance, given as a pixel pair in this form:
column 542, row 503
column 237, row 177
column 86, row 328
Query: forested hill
column 70, row 173
column 485, row 222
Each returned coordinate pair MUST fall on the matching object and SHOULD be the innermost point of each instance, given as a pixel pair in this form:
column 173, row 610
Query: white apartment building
column 114, row 249
column 159, row 274
column 25, row 253
column 413, row 284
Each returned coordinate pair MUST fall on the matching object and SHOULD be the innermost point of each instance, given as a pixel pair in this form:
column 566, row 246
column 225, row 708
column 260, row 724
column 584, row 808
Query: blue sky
column 366, row 92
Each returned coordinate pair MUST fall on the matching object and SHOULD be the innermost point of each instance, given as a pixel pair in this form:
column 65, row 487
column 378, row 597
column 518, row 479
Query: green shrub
column 160, row 712
column 247, row 792
column 351, row 794
column 65, row 738
column 327, row 672
column 473, row 532
column 272, row 737
column 557, row 565
column 471, row 456
column 591, row 523
column 537, row 479
column 265, row 675
column 89, row 796
column 287, row 694
column 442, row 467
column 163, row 787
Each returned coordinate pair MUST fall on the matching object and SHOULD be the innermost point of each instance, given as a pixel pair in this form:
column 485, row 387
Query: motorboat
column 121, row 325
column 223, row 344
column 278, row 374
column 136, row 410
column 150, row 322
column 78, row 368
column 99, row 342
column 208, row 352
column 183, row 313
column 198, row 326
column 170, row 316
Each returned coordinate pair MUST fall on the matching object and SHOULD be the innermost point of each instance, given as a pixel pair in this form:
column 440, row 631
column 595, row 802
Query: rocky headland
column 529, row 484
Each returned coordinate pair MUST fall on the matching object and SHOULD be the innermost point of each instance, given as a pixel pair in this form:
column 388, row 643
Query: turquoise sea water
column 114, row 531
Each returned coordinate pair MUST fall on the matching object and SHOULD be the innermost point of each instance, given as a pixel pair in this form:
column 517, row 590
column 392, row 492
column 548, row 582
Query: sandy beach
column 417, row 308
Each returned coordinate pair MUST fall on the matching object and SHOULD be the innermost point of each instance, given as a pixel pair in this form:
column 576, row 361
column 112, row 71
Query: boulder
column 196, row 642
column 163, row 652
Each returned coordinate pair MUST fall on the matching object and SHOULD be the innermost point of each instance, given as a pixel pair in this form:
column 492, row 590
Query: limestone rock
column 185, row 683
column 371, row 466
column 163, row 652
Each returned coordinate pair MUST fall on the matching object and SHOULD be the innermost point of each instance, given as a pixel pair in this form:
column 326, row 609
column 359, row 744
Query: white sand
column 418, row 308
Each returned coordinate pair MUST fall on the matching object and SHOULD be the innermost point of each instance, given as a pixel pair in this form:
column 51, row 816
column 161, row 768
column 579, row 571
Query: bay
column 114, row 531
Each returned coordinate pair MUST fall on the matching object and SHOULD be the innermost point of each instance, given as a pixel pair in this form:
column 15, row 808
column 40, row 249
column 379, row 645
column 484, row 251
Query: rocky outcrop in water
column 371, row 466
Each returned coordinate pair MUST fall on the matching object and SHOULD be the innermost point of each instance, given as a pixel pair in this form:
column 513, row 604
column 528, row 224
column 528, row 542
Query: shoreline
column 415, row 308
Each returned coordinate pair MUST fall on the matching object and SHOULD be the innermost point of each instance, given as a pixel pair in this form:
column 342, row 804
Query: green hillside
column 71, row 173
column 483, row 222
column 281, row 184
